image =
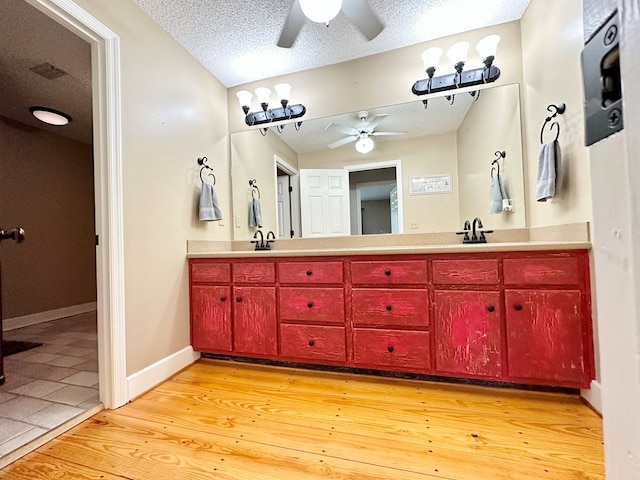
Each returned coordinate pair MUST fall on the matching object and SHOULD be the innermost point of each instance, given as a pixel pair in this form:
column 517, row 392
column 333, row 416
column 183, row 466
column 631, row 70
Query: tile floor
column 48, row 385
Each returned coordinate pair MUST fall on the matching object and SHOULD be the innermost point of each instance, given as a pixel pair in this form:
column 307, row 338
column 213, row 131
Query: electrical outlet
column 237, row 221
column 413, row 224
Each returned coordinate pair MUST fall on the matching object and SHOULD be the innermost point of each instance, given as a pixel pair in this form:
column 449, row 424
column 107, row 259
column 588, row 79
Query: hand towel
column 209, row 206
column 496, row 195
column 255, row 213
column 548, row 181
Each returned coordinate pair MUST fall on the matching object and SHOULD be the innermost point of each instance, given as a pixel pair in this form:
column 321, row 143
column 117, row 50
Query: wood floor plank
column 36, row 466
column 238, row 421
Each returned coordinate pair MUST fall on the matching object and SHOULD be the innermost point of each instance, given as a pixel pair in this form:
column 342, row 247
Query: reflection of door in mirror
column 325, row 202
column 287, row 200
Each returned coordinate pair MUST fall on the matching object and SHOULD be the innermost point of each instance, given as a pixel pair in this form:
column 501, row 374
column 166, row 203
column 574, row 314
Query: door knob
column 17, row 234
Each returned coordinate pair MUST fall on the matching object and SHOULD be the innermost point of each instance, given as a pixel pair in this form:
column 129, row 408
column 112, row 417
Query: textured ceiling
column 236, row 39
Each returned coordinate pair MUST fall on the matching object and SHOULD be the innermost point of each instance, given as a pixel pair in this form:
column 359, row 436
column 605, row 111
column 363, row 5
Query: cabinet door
column 254, row 320
column 467, row 332
column 210, row 318
column 545, row 336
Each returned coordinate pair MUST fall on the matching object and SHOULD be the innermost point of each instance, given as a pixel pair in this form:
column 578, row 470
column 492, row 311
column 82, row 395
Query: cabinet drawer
column 322, row 305
column 465, row 272
column 310, row 272
column 210, row 272
column 396, row 349
column 541, row 271
column 390, row 307
column 408, row 272
column 264, row 272
column 311, row 342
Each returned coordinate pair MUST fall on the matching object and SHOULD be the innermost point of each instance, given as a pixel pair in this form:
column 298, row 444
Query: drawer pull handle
column 309, row 272
column 238, row 299
column 387, row 272
column 223, row 299
column 390, row 349
column 311, row 343
column 491, row 308
column 389, row 308
column 518, row 307
column 310, row 304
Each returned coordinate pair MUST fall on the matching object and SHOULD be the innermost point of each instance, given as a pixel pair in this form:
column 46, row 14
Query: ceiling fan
column 361, row 132
column 322, row 11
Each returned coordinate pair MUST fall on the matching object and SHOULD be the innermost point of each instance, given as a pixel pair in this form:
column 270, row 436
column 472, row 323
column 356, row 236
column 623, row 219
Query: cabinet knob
column 517, row 306
column 223, row 299
column 311, row 343
column 238, row 299
column 491, row 308
column 387, row 272
column 389, row 308
column 310, row 304
column 309, row 272
column 390, row 349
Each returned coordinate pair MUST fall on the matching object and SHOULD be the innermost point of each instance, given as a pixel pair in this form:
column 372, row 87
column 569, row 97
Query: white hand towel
column 548, row 184
column 255, row 213
column 209, row 206
column 496, row 195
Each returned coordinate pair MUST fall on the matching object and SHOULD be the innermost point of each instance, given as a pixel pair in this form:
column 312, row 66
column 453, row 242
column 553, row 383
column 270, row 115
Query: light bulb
column 488, row 46
column 431, row 57
column 365, row 144
column 320, row 11
column 50, row 116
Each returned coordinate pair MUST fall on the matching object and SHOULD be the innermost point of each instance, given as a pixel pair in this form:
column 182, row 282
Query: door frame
column 294, row 176
column 358, row 206
column 397, row 164
column 107, row 150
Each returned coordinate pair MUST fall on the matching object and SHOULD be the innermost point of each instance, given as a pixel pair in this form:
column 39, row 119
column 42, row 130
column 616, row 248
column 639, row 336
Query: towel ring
column 499, row 154
column 556, row 109
column 254, row 188
column 203, row 161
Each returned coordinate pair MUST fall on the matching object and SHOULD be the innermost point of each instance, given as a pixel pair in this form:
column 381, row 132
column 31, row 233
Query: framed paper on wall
column 430, row 184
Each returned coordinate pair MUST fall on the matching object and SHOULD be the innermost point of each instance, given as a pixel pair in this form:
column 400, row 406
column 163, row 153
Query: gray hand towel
column 548, row 184
column 209, row 206
column 255, row 213
column 496, row 195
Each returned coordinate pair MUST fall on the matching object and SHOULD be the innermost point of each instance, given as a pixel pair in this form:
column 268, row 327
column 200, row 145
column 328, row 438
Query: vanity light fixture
column 270, row 115
column 50, row 116
column 461, row 78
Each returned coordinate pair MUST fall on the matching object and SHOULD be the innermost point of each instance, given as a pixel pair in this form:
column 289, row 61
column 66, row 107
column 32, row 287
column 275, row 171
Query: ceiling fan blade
column 360, row 14
column 343, row 141
column 342, row 129
column 387, row 133
column 376, row 120
column 292, row 26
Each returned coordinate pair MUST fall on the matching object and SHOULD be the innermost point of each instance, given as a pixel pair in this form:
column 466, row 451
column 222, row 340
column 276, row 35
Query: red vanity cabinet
column 548, row 328
column 467, row 318
column 312, row 311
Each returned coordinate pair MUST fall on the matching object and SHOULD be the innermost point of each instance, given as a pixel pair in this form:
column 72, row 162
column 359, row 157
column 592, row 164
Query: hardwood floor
column 227, row 420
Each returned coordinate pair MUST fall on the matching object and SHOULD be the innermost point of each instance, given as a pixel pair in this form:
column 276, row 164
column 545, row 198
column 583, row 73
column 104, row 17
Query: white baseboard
column 147, row 378
column 593, row 396
column 41, row 317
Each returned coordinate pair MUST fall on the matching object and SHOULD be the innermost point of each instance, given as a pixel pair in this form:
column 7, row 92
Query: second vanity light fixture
column 270, row 115
column 461, row 78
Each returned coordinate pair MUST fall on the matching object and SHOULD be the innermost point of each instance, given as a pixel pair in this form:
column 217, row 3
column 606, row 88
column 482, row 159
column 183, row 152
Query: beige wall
column 551, row 45
column 173, row 111
column 254, row 158
column 481, row 134
column 46, row 186
column 432, row 213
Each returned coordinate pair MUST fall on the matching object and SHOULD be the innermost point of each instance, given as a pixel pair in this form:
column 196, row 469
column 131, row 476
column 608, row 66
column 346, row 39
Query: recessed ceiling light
column 50, row 116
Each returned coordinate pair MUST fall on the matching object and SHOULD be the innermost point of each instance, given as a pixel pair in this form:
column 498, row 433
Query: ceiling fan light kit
column 320, row 11
column 361, row 133
column 270, row 115
column 461, row 78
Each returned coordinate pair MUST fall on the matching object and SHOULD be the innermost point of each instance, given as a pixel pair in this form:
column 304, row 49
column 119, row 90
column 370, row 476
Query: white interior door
column 325, row 202
column 283, row 206
column 393, row 199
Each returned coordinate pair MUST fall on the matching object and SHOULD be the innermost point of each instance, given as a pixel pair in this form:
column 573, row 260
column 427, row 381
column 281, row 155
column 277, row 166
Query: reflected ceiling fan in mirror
column 323, row 11
column 361, row 133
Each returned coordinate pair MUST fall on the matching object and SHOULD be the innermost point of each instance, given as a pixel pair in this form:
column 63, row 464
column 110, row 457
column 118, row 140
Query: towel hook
column 203, row 161
column 556, row 109
column 254, row 188
column 499, row 154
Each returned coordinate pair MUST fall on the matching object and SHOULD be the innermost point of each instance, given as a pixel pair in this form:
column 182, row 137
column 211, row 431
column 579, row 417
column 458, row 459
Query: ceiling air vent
column 48, row 71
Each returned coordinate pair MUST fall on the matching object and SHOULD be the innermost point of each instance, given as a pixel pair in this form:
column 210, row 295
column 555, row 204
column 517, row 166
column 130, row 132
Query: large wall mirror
column 430, row 169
